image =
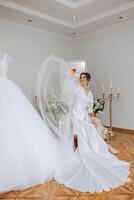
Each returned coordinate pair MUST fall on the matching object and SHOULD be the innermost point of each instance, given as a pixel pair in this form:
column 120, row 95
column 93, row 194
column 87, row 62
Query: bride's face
column 83, row 80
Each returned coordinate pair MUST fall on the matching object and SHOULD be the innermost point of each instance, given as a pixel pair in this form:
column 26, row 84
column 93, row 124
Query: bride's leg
column 113, row 150
column 97, row 123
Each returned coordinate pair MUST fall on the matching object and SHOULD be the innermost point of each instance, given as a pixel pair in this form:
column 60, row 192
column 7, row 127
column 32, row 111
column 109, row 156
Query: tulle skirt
column 29, row 153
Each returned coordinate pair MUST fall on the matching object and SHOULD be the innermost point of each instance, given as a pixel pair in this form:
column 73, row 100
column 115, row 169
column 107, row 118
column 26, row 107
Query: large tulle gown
column 29, row 152
column 91, row 168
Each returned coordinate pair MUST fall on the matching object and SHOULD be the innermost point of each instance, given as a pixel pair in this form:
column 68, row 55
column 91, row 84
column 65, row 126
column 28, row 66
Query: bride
column 91, row 168
column 29, row 152
column 85, row 83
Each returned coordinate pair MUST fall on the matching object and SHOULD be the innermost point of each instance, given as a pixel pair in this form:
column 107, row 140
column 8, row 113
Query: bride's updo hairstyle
column 88, row 76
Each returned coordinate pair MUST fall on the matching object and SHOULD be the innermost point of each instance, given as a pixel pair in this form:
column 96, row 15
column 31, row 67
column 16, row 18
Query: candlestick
column 0, row 47
column 103, row 96
column 111, row 83
column 118, row 91
column 110, row 113
column 118, row 88
column 1, row 44
column 110, row 99
column 103, row 88
column 118, row 95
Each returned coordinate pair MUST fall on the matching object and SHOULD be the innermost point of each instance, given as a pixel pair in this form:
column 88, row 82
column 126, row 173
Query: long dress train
column 91, row 168
column 29, row 152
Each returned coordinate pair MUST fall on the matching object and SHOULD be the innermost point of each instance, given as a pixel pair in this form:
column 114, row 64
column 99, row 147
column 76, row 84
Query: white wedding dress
column 29, row 152
column 91, row 168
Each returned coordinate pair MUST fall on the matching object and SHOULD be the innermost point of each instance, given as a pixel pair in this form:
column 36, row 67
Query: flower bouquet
column 98, row 106
column 55, row 106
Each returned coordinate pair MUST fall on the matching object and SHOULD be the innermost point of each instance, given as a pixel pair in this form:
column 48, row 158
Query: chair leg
column 75, row 142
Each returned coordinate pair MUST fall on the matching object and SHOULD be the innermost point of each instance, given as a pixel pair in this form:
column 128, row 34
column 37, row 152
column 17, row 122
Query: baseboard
column 121, row 130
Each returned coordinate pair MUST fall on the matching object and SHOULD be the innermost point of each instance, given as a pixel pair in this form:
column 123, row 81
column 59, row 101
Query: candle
column 118, row 88
column 111, row 86
column 103, row 88
column 1, row 44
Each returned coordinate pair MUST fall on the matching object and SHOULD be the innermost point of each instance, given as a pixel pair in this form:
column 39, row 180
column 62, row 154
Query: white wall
column 28, row 48
column 110, row 53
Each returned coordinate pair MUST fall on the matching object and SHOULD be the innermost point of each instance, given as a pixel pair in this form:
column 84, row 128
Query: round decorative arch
column 49, row 92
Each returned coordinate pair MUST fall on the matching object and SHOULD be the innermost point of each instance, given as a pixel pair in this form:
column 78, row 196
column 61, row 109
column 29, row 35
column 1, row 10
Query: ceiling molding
column 104, row 29
column 63, row 22
column 35, row 13
column 36, row 29
column 74, row 4
column 105, row 14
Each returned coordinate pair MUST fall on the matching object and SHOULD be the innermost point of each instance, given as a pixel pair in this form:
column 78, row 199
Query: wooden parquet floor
column 54, row 191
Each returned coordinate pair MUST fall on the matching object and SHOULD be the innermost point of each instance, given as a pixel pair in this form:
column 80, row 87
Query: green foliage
column 98, row 106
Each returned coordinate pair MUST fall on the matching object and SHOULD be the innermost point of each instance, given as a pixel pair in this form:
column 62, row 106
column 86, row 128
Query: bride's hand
column 73, row 72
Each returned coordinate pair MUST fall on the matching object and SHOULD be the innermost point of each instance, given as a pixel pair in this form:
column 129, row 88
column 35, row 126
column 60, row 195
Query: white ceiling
column 74, row 3
column 56, row 15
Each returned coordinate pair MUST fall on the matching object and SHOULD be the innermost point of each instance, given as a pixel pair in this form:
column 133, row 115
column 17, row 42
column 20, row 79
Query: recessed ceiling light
column 74, row 17
column 120, row 17
column 29, row 20
column 74, row 33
